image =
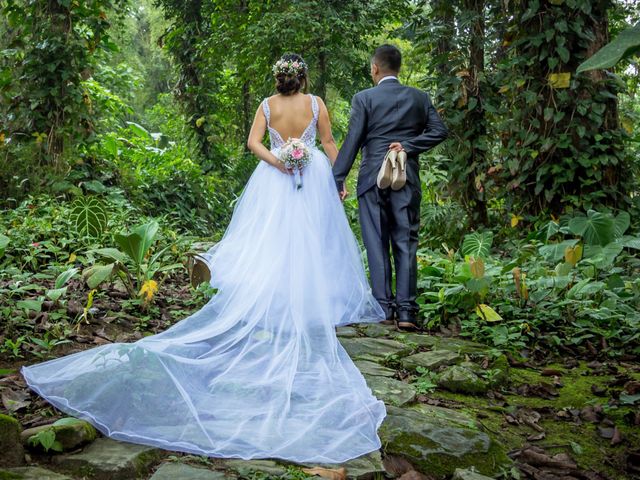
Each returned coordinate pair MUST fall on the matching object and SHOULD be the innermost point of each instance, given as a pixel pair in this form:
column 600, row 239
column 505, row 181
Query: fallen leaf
column 14, row 400
column 331, row 473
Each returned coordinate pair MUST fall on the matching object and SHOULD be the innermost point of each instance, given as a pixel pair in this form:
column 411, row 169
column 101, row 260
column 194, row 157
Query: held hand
column 343, row 193
column 280, row 166
column 396, row 146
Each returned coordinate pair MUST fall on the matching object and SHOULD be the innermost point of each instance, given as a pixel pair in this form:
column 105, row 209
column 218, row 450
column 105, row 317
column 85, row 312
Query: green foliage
column 47, row 439
column 89, row 216
column 50, row 46
column 527, row 130
column 133, row 263
column 554, row 292
column 426, row 382
column 626, row 44
column 477, row 244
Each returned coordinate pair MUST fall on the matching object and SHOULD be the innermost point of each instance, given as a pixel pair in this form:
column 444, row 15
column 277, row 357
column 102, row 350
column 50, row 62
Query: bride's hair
column 290, row 80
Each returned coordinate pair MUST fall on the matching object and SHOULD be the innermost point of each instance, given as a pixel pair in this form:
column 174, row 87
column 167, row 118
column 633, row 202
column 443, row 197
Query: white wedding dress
column 258, row 371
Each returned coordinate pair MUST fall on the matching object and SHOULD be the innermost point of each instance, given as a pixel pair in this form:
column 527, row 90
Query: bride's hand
column 280, row 166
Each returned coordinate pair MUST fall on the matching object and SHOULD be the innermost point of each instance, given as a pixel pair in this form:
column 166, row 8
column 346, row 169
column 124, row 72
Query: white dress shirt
column 387, row 78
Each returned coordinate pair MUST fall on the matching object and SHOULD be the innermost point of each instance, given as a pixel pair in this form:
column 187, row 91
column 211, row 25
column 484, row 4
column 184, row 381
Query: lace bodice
column 309, row 134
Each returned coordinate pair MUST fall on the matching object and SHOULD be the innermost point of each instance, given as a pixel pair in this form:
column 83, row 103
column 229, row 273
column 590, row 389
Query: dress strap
column 266, row 110
column 314, row 106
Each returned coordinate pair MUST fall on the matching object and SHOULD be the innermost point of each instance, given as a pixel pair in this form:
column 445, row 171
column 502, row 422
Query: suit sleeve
column 435, row 131
column 352, row 143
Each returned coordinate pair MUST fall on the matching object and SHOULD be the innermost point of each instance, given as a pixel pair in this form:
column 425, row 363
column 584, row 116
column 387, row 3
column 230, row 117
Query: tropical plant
column 132, row 263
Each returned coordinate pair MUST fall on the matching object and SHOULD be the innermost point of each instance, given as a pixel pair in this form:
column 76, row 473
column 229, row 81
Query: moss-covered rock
column 431, row 360
column 460, row 378
column 70, row 432
column 391, row 391
column 11, row 451
column 374, row 369
column 107, row 459
column 374, row 349
column 31, row 473
column 439, row 440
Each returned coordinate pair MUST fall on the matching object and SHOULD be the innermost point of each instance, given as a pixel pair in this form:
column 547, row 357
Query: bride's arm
column 324, row 129
column 254, row 142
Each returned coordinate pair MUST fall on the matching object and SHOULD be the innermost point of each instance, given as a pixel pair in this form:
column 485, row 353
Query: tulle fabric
column 258, row 371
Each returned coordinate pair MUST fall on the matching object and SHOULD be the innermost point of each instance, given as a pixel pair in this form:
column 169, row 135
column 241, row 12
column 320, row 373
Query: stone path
column 441, row 442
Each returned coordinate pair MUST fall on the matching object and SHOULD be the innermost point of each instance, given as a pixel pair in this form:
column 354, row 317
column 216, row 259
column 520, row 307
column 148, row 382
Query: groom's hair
column 388, row 58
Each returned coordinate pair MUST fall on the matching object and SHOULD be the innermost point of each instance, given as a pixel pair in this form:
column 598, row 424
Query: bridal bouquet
column 295, row 155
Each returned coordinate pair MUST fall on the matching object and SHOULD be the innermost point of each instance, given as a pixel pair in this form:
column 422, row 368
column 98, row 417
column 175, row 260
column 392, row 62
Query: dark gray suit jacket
column 389, row 112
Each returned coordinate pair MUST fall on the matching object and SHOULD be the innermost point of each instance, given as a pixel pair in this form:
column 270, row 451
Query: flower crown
column 290, row 67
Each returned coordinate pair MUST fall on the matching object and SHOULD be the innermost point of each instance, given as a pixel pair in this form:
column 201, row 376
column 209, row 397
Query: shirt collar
column 388, row 77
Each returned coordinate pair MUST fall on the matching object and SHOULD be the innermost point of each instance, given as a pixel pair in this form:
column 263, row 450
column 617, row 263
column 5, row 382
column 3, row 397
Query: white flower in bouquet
column 295, row 155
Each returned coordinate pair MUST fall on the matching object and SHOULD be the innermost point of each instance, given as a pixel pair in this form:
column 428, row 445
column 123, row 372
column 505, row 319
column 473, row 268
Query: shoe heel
column 400, row 173
column 385, row 175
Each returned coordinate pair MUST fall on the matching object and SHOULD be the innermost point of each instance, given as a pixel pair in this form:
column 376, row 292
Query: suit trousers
column 390, row 220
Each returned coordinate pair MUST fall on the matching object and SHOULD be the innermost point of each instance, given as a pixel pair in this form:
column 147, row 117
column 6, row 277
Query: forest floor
column 454, row 407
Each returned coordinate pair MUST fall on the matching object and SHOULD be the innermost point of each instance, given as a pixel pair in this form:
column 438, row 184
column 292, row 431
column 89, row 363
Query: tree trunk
column 476, row 120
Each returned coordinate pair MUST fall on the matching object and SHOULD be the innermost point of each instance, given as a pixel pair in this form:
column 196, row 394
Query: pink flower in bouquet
column 297, row 153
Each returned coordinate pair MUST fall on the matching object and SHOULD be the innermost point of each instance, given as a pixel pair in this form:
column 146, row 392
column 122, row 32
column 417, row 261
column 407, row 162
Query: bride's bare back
column 290, row 114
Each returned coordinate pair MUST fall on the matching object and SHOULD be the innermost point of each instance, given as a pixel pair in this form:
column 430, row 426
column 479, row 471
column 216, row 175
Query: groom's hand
column 396, row 146
column 343, row 193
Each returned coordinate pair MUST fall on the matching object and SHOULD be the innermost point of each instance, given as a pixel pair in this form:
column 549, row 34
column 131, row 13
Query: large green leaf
column 555, row 251
column 112, row 253
column 131, row 245
column 89, row 216
column 602, row 257
column 97, row 274
column 629, row 241
column 56, row 293
column 477, row 244
column 595, row 228
column 622, row 222
column 4, row 241
column 137, row 243
column 624, row 45
column 139, row 130
column 30, row 305
column 64, row 277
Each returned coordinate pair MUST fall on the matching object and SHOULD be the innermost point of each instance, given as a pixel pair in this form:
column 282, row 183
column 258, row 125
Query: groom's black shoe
column 391, row 315
column 406, row 321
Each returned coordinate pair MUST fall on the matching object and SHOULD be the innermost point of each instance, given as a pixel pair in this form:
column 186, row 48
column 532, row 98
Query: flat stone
column 245, row 468
column 431, row 359
column 391, row 391
column 374, row 349
column 439, row 440
column 181, row 471
column 346, row 332
column 465, row 474
column 462, row 379
column 374, row 369
column 458, row 345
column 31, row 473
column 107, row 459
column 420, row 339
column 376, row 330
column 70, row 432
column 11, row 451
column 365, row 467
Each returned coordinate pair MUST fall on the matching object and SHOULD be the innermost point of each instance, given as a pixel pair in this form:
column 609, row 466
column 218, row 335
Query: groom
column 389, row 116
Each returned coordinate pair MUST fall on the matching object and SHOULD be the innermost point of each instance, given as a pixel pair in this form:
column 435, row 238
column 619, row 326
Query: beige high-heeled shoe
column 385, row 175
column 399, row 175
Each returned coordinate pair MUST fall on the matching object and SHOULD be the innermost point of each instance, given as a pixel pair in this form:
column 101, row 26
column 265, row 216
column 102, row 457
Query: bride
column 258, row 371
